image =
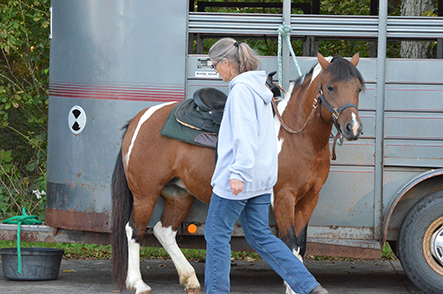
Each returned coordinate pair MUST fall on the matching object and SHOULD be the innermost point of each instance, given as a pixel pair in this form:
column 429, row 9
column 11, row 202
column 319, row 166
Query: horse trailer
column 111, row 58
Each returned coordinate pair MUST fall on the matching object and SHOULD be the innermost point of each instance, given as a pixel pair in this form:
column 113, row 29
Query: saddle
column 197, row 121
column 203, row 112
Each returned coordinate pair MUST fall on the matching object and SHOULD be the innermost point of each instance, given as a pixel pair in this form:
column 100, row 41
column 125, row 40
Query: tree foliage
column 346, row 48
column 24, row 69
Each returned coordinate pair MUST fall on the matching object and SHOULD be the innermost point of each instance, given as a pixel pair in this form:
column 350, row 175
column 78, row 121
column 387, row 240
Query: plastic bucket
column 37, row 263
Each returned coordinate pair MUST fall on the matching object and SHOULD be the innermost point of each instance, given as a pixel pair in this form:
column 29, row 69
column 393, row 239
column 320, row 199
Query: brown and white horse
column 150, row 165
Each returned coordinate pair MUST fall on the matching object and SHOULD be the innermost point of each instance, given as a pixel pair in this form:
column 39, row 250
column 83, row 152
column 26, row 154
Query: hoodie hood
column 256, row 80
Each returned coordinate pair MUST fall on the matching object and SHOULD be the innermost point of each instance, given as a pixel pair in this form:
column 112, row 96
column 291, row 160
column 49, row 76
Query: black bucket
column 38, row 264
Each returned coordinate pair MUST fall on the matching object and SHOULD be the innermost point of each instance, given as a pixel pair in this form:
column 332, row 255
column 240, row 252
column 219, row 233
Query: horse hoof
column 193, row 291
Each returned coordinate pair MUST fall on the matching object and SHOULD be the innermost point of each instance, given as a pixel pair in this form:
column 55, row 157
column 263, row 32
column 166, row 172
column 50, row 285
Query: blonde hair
column 238, row 53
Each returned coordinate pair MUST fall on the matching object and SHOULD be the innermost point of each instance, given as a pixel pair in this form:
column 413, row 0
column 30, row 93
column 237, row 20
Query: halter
column 336, row 112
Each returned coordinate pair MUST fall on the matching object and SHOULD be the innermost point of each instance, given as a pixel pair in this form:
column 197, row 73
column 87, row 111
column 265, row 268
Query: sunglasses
column 214, row 65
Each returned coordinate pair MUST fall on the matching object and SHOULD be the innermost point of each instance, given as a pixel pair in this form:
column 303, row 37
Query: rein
column 336, row 112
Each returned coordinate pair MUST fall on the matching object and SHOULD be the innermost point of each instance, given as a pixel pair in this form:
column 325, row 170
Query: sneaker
column 319, row 290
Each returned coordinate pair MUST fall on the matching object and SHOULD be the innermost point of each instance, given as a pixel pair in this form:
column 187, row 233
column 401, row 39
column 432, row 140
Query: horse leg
column 292, row 220
column 134, row 279
column 303, row 212
column 284, row 211
column 293, row 230
column 135, row 230
column 297, row 234
column 177, row 206
column 295, row 244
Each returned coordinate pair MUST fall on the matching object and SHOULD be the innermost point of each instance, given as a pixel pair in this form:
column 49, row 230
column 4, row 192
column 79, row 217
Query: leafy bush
column 24, row 69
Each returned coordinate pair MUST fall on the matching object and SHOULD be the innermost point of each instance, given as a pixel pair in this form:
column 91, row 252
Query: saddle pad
column 173, row 129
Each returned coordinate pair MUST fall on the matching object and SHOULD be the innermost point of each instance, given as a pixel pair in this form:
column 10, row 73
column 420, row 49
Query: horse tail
column 122, row 202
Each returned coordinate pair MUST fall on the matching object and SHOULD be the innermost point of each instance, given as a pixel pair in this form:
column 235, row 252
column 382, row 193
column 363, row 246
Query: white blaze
column 356, row 125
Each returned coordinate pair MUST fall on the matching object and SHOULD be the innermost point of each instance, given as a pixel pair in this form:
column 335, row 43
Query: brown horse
column 150, row 165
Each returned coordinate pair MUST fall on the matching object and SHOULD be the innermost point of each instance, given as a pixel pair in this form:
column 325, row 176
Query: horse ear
column 355, row 59
column 323, row 62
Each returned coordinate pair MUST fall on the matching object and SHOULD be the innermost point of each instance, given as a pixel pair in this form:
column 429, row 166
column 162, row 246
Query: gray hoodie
column 247, row 145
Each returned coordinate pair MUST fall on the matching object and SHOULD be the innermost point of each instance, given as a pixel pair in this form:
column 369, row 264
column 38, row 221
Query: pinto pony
column 151, row 165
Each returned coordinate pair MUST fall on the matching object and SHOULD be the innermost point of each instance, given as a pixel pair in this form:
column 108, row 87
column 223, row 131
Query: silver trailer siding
column 111, row 59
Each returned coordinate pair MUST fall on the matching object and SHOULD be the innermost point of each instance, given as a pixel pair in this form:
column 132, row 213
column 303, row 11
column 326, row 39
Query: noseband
column 336, row 112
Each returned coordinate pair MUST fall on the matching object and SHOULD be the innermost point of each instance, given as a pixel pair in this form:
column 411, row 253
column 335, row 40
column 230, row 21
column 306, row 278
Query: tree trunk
column 416, row 49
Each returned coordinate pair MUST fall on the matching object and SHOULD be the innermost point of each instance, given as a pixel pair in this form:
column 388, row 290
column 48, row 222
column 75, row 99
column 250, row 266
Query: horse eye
column 331, row 89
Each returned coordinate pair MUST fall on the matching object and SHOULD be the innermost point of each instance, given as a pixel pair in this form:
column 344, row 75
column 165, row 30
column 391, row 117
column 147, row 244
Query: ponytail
column 238, row 53
column 248, row 58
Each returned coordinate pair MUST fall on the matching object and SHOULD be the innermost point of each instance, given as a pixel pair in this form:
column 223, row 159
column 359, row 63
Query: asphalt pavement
column 94, row 276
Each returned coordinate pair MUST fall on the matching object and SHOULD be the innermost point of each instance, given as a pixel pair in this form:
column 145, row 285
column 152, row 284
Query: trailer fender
column 419, row 183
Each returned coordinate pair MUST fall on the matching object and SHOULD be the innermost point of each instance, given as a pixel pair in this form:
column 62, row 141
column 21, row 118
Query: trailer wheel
column 420, row 243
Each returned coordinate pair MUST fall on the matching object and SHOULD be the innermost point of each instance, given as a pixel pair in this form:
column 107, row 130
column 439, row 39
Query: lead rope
column 285, row 31
column 19, row 220
column 285, row 126
column 337, row 136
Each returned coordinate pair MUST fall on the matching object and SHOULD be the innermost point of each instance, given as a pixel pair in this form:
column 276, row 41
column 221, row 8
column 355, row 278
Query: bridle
column 336, row 112
column 318, row 100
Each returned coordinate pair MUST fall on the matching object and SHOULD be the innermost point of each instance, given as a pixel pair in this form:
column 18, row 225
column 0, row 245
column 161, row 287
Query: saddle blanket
column 173, row 129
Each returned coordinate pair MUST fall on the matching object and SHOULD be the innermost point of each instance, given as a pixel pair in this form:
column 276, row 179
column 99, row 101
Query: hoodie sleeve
column 244, row 132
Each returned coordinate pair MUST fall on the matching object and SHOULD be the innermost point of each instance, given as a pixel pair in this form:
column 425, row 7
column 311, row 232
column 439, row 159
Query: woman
column 245, row 174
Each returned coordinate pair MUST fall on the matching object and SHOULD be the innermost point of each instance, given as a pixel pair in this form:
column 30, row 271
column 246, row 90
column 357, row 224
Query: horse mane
column 342, row 70
column 300, row 80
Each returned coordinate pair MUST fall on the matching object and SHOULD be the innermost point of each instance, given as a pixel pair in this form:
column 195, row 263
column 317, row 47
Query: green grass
column 387, row 252
column 72, row 250
column 95, row 251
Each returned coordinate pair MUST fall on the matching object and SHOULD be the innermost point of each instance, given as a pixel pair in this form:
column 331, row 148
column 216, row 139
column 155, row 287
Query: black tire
column 415, row 237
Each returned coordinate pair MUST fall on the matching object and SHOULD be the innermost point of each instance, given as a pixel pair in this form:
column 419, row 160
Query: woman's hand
column 236, row 186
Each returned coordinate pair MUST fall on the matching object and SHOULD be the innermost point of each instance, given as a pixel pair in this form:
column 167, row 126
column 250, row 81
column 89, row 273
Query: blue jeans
column 223, row 214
